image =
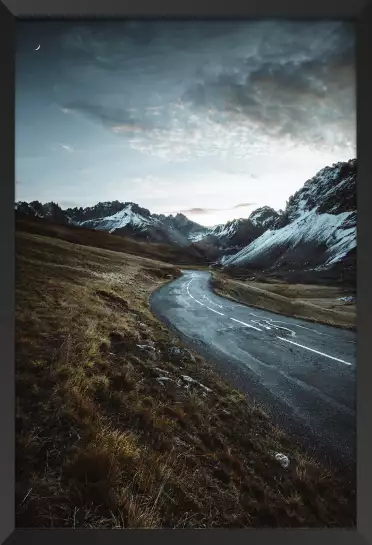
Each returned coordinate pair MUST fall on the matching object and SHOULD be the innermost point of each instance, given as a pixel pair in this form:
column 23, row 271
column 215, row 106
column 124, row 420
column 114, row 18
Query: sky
column 209, row 118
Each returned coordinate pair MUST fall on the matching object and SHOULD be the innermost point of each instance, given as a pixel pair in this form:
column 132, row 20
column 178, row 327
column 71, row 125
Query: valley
column 153, row 374
column 119, row 424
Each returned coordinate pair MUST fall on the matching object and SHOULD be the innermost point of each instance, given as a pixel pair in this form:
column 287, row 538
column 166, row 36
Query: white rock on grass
column 164, row 379
column 190, row 380
column 161, row 370
column 146, row 347
column 348, row 299
column 181, row 353
column 282, row 459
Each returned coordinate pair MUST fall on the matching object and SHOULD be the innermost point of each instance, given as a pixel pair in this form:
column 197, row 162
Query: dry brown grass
column 103, row 443
column 107, row 241
column 310, row 302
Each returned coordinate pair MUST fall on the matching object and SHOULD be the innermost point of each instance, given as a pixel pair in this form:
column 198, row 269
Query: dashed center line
column 265, row 326
column 316, row 351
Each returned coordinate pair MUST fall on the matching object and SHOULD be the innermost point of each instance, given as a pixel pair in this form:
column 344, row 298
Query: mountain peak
column 316, row 231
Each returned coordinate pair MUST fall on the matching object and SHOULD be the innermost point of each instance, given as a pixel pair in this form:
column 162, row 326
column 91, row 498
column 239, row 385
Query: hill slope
column 120, row 426
column 104, row 240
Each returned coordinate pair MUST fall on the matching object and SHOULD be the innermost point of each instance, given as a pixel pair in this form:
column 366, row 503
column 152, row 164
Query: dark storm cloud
column 292, row 80
column 289, row 90
column 282, row 79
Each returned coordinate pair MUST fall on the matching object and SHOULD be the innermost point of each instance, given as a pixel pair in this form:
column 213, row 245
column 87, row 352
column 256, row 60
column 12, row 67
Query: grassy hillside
column 111, row 431
column 103, row 239
column 315, row 303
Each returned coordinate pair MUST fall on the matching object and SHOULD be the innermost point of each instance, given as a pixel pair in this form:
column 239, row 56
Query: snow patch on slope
column 124, row 217
column 197, row 237
column 308, row 227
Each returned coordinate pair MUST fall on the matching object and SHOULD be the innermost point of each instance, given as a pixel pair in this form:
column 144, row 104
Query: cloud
column 244, row 205
column 120, row 120
column 67, row 147
column 225, row 89
column 295, row 85
column 203, row 211
column 110, row 117
column 196, row 211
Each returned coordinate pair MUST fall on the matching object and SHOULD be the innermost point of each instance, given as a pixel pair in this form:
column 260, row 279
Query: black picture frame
column 359, row 11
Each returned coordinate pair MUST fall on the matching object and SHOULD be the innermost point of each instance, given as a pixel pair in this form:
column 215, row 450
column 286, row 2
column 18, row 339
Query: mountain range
column 316, row 231
column 130, row 220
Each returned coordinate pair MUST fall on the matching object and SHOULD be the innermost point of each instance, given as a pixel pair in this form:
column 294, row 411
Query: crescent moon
column 38, row 47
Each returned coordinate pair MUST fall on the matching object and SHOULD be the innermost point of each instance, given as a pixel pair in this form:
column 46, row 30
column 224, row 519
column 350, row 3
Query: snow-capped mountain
column 126, row 219
column 317, row 229
column 182, row 226
column 134, row 221
column 228, row 238
column 130, row 215
column 241, row 232
column 129, row 219
column 264, row 217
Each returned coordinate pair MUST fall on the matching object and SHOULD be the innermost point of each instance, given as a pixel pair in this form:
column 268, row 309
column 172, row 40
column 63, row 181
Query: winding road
column 303, row 373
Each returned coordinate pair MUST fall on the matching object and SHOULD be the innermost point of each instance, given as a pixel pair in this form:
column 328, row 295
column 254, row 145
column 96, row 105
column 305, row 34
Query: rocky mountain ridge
column 316, row 230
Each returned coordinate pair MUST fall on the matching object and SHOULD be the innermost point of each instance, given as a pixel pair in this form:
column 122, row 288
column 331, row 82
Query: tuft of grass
column 104, row 440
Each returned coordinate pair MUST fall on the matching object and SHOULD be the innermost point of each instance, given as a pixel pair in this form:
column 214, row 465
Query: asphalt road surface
column 302, row 372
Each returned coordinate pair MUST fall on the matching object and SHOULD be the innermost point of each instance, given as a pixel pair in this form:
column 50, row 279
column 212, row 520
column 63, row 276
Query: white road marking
column 192, row 297
column 216, row 311
column 303, row 327
column 202, row 304
column 271, row 322
column 281, row 328
column 247, row 325
column 314, row 330
column 262, row 325
column 211, row 302
column 312, row 350
column 293, row 325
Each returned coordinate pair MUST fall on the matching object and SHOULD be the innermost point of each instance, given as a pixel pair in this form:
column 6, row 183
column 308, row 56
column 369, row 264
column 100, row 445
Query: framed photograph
column 186, row 277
